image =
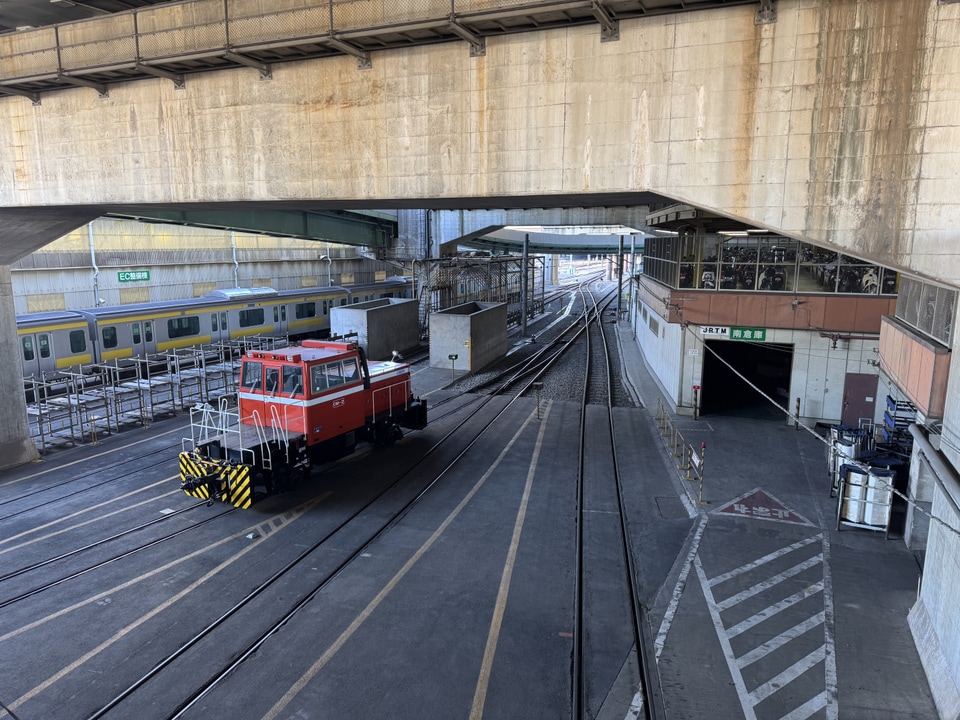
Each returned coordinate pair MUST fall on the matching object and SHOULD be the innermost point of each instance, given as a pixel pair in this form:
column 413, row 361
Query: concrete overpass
column 831, row 121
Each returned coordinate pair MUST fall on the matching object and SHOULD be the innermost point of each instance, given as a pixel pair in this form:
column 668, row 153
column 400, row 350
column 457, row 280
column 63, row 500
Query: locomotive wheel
column 395, row 433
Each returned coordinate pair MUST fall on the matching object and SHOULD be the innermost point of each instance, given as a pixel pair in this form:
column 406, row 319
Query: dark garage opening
column 724, row 392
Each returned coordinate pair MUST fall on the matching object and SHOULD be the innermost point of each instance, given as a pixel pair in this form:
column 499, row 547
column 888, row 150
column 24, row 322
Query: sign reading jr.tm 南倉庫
column 734, row 333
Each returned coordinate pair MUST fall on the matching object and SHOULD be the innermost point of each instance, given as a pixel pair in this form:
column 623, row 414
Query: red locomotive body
column 296, row 406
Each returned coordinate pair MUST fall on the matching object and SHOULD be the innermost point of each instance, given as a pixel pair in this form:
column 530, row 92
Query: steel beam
column 266, row 72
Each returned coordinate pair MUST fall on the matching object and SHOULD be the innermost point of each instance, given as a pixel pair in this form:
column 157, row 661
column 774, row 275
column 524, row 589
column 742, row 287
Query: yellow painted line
column 265, row 528
column 483, row 682
column 301, row 683
column 56, row 468
column 87, row 522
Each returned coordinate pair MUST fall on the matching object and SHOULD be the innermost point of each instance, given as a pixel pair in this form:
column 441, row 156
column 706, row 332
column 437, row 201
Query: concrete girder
column 23, row 230
column 341, row 228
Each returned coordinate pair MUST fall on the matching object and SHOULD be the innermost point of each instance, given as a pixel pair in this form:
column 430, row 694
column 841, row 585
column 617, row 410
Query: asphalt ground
column 770, row 611
column 464, row 607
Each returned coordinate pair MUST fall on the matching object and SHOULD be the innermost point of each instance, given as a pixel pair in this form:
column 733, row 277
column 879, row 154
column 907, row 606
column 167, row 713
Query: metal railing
column 690, row 462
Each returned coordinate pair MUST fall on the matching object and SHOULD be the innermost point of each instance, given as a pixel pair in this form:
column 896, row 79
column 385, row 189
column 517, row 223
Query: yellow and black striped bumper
column 207, row 479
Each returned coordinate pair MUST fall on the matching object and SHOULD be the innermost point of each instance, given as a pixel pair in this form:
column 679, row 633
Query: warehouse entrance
column 766, row 365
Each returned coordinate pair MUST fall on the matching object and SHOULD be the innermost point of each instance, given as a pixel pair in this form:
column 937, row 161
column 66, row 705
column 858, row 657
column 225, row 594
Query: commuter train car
column 297, row 406
column 54, row 341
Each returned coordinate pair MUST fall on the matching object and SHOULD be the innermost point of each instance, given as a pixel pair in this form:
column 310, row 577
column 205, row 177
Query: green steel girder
column 345, row 228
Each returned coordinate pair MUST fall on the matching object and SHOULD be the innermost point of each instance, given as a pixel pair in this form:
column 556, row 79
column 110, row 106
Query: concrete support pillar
column 16, row 447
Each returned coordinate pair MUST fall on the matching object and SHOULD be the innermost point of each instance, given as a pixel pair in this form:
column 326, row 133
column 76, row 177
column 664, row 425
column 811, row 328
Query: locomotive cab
column 298, row 406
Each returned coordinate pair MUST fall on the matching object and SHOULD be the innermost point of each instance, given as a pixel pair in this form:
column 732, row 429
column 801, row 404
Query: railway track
column 244, row 624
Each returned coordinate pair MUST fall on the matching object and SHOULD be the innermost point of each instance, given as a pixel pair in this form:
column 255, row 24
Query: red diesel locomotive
column 297, row 406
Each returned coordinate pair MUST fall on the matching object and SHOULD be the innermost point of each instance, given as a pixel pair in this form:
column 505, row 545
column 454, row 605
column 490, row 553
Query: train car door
column 280, row 326
column 35, row 354
column 149, row 337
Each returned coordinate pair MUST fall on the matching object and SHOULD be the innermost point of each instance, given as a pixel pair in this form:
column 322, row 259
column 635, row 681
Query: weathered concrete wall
column 382, row 326
column 837, row 123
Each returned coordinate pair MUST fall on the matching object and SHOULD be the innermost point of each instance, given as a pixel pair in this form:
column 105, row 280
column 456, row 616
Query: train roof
column 49, row 316
column 240, row 293
column 213, row 297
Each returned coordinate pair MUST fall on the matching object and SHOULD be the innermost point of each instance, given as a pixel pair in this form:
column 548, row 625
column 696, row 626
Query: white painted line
column 745, row 702
column 636, row 705
column 771, row 582
column 811, row 706
column 780, row 640
column 788, row 675
column 671, row 612
column 763, row 561
column 830, row 664
column 774, row 609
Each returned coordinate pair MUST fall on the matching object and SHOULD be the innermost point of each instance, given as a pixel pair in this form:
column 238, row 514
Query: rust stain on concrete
column 863, row 167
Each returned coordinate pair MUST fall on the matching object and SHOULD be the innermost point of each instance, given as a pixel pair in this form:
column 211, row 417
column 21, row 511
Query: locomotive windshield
column 251, row 375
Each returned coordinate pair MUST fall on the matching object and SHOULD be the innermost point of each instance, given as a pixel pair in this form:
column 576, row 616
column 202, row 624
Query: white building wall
column 676, row 355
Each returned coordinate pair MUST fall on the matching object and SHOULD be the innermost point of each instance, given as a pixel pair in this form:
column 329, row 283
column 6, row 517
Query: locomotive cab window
column 272, row 383
column 351, row 371
column 109, row 335
column 183, row 326
column 292, row 380
column 251, row 317
column 318, row 379
column 78, row 342
column 251, row 375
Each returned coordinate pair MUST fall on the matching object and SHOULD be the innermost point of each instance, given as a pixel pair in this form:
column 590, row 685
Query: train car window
column 251, row 375
column 43, row 345
column 292, row 380
column 305, row 310
column 283, row 313
column 109, row 335
column 273, row 379
column 276, row 313
column 351, row 371
column 318, row 379
column 223, row 321
column 183, row 326
column 78, row 341
column 249, row 318
column 356, row 300
column 148, row 330
column 27, row 343
column 135, row 328
column 343, row 301
column 213, row 322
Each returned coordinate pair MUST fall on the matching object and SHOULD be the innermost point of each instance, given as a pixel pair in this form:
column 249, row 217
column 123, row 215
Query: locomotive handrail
column 262, row 437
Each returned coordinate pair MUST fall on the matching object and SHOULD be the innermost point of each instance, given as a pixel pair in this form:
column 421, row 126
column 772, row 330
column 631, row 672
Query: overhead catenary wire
column 933, row 518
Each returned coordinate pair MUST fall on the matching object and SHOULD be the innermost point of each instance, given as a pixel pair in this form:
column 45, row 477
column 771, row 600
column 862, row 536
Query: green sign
column 743, row 333
column 133, row 275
